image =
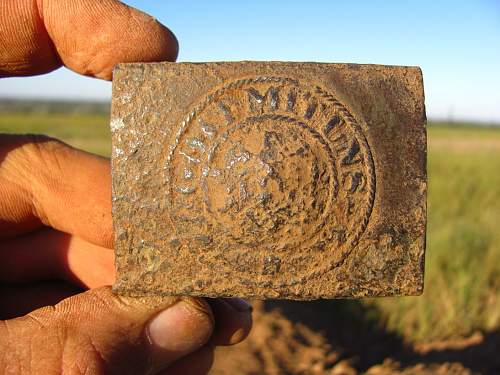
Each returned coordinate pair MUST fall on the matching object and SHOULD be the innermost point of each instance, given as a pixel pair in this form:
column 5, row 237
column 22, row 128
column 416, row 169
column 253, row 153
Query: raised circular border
column 342, row 110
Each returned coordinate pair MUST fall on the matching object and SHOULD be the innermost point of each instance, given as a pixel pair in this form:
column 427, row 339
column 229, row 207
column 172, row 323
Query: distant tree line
column 53, row 106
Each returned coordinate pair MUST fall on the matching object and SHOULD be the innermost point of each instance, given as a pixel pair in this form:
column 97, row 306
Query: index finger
column 87, row 36
column 46, row 182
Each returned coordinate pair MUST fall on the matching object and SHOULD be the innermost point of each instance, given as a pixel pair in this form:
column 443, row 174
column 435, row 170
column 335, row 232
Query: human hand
column 55, row 219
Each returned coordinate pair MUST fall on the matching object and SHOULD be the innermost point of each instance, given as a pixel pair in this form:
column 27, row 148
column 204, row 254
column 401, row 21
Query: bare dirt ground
column 340, row 338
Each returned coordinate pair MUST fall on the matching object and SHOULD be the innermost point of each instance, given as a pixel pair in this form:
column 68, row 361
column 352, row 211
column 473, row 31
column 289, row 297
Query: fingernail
column 176, row 331
column 240, row 304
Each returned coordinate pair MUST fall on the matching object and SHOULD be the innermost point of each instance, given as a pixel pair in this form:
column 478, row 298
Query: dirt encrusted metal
column 269, row 179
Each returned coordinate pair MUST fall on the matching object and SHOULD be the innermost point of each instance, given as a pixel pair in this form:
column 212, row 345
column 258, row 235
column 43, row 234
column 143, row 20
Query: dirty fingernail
column 177, row 331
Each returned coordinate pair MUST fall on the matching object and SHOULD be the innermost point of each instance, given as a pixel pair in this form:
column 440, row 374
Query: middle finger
column 51, row 254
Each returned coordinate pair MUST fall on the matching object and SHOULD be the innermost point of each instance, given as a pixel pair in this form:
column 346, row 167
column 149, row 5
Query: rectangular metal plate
column 269, row 179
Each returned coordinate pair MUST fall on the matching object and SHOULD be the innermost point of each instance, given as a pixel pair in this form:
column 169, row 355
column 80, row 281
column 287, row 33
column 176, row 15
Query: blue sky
column 456, row 43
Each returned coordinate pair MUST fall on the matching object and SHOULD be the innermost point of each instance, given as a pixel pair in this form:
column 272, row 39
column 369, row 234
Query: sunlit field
column 462, row 279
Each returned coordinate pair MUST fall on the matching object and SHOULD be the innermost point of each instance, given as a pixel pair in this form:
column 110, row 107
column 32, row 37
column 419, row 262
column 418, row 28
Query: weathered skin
column 269, row 180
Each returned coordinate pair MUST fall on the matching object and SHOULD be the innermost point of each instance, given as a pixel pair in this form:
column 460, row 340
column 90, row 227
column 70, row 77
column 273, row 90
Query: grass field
column 462, row 281
column 463, row 249
column 86, row 131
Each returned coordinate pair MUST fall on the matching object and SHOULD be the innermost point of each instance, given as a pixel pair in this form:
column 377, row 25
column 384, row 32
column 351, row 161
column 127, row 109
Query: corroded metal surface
column 271, row 180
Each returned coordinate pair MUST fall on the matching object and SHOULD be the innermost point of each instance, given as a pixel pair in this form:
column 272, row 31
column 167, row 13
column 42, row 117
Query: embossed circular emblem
column 272, row 178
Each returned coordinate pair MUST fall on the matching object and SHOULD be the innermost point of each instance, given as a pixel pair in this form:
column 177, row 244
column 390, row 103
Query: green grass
column 463, row 245
column 462, row 279
column 86, row 131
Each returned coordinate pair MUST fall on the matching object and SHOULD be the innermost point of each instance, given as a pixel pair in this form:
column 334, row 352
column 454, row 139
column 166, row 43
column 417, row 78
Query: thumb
column 98, row 332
